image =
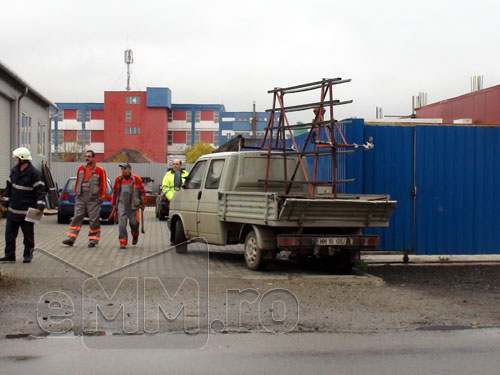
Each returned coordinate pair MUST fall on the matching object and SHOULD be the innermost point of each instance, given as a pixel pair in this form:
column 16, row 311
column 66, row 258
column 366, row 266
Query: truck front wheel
column 254, row 257
column 180, row 238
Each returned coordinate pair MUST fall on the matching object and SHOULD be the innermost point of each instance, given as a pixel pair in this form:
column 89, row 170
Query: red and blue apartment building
column 145, row 121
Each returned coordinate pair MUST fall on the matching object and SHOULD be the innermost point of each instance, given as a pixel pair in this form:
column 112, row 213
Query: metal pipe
column 414, row 196
column 303, row 107
column 328, row 183
column 317, row 83
column 18, row 104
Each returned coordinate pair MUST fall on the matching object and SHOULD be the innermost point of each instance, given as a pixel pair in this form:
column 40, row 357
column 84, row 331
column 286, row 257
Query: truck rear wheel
column 180, row 238
column 254, row 257
column 341, row 262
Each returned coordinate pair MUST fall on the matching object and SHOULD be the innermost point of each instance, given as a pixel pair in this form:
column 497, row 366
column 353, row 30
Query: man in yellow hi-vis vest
column 168, row 183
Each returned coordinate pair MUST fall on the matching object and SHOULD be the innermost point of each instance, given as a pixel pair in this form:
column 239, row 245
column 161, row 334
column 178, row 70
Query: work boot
column 123, row 246
column 135, row 239
column 7, row 259
column 91, row 244
column 28, row 257
column 67, row 242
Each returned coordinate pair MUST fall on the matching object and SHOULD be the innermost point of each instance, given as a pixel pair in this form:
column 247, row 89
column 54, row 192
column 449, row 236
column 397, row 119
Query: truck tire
column 161, row 216
column 254, row 257
column 341, row 262
column 180, row 238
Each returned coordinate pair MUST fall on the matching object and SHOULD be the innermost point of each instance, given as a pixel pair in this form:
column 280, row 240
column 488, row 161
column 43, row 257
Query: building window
column 83, row 136
column 243, row 134
column 41, row 138
column 216, row 116
column 196, row 136
column 60, row 137
column 197, row 116
column 28, row 132
column 170, row 116
column 25, row 140
column 189, row 116
column 59, row 114
column 133, row 100
column 216, row 138
column 79, row 114
column 132, row 130
column 241, row 119
column 189, row 140
column 128, row 115
column 170, row 140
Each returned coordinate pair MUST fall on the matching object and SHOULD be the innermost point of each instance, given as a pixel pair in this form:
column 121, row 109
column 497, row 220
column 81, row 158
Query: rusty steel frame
column 273, row 135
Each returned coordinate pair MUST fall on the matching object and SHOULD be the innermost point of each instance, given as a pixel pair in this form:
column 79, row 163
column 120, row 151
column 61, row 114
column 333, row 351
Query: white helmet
column 22, row 153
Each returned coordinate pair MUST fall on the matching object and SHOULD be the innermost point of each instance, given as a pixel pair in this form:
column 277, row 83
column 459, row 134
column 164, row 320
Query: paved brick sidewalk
column 49, row 260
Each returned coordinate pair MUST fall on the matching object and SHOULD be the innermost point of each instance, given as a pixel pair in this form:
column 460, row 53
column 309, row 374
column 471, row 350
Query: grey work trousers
column 126, row 214
column 124, row 217
column 86, row 206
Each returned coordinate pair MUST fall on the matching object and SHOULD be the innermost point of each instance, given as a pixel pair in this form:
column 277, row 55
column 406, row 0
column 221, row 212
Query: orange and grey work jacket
column 138, row 193
column 94, row 178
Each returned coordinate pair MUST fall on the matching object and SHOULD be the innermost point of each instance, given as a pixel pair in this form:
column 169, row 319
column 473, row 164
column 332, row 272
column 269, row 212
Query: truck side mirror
column 177, row 180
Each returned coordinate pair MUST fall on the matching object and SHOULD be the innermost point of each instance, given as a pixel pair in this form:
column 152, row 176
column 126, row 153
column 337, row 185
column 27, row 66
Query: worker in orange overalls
column 90, row 189
column 128, row 196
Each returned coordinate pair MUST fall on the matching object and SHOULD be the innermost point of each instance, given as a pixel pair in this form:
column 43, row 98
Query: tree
column 198, row 149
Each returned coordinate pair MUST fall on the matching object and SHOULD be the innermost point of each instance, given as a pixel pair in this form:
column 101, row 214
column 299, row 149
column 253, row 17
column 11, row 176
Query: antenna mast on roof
column 129, row 59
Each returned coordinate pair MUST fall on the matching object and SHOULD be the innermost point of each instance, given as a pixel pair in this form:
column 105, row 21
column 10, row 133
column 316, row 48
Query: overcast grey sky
column 232, row 52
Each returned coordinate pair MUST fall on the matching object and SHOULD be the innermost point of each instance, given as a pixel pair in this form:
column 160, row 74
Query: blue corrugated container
column 457, row 171
column 458, row 176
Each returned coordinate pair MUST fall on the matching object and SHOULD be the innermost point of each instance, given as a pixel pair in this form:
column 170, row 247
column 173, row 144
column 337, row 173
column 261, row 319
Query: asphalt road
column 453, row 352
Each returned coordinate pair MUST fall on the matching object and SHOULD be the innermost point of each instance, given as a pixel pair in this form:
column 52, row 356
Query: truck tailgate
column 337, row 212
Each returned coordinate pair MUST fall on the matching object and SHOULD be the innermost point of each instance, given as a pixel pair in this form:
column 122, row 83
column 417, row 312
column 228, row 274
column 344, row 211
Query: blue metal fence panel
column 458, row 179
column 388, row 170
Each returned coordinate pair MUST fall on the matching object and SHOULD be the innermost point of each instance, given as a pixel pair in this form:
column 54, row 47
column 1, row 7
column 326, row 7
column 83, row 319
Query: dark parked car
column 162, row 206
column 66, row 203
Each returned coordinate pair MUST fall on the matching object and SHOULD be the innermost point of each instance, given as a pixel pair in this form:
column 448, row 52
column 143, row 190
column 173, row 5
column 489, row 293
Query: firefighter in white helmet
column 25, row 189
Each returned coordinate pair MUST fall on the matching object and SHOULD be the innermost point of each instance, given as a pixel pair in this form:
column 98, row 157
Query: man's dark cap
column 126, row 165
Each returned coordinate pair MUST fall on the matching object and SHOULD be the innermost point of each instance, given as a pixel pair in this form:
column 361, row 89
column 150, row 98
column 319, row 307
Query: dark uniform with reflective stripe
column 25, row 189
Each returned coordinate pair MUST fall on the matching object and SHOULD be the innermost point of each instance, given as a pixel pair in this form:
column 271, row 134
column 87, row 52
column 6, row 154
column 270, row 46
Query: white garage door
column 4, row 140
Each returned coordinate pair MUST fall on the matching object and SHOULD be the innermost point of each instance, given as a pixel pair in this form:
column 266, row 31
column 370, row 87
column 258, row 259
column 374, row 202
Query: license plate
column 331, row 241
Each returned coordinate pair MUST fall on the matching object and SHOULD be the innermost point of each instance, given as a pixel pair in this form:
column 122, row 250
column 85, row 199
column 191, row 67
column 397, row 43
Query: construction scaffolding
column 324, row 133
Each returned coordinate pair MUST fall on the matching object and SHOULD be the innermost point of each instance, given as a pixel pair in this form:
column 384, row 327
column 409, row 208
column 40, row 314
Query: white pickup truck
column 223, row 202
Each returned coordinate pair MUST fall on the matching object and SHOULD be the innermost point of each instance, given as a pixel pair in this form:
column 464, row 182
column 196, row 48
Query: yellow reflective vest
column 167, row 185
